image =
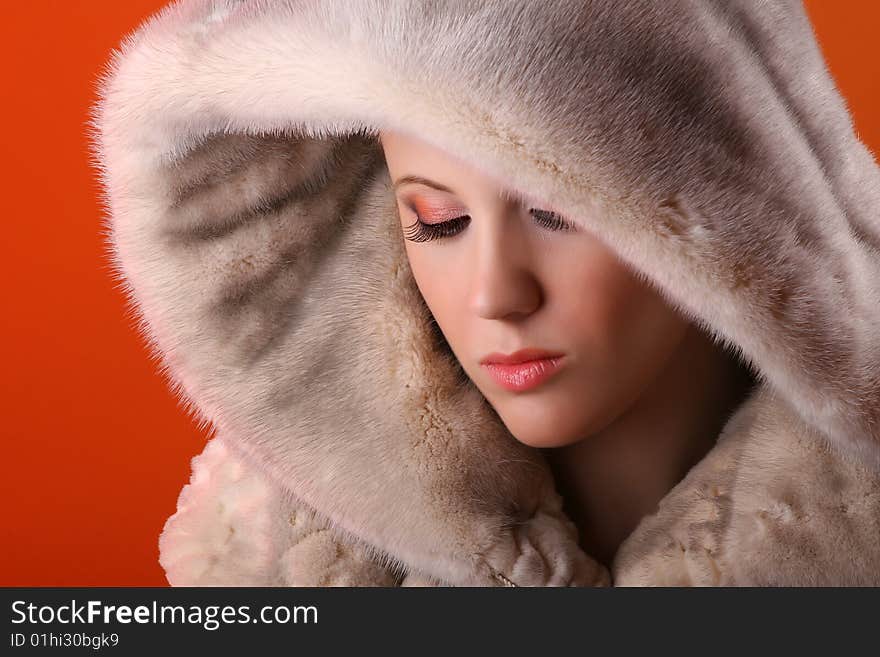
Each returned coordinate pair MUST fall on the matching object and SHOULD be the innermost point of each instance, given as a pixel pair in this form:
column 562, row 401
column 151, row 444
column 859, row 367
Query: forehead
column 418, row 155
column 412, row 160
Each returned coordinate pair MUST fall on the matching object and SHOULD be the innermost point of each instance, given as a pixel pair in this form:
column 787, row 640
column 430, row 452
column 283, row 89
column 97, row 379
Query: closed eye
column 420, row 231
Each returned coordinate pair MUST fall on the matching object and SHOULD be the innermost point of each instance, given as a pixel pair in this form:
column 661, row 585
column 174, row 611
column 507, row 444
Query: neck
column 613, row 478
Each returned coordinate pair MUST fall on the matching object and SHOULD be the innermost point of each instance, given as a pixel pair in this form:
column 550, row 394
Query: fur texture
column 253, row 227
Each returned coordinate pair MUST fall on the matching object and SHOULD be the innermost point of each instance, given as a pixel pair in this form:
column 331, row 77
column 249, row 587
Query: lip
column 524, row 369
column 521, row 356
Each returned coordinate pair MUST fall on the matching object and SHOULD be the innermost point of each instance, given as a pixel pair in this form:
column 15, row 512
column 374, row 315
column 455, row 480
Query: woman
column 668, row 200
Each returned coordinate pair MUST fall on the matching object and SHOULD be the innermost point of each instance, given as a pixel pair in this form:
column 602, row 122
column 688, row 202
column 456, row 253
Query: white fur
column 250, row 223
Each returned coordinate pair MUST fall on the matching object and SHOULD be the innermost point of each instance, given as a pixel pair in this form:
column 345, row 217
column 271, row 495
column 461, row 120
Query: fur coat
column 252, row 225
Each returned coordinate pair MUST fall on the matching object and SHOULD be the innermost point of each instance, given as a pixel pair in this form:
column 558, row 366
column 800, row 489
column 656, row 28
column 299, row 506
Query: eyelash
column 419, row 231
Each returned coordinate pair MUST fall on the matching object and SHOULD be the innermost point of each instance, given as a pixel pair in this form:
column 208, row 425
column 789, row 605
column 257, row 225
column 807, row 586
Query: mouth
column 522, row 370
column 521, row 356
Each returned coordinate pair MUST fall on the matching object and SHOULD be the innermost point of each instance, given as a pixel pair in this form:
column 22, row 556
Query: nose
column 504, row 284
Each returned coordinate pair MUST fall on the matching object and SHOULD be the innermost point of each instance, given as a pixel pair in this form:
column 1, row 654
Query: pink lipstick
column 524, row 369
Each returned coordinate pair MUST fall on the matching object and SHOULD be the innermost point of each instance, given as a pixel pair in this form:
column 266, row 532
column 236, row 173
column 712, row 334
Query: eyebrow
column 418, row 180
column 505, row 193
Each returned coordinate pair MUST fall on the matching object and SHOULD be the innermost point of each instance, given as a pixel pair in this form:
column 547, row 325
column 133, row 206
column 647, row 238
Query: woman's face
column 500, row 275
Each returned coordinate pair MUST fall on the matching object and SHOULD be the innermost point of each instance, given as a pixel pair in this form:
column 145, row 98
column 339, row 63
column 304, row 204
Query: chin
column 539, row 435
column 546, row 420
column 536, row 423
column 542, row 422
column 547, row 441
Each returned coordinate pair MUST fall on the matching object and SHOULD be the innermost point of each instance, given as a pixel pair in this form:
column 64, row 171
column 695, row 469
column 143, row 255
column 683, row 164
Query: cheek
column 606, row 307
column 623, row 332
column 443, row 288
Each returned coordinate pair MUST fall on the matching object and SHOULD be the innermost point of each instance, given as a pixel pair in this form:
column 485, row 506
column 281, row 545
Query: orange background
column 95, row 447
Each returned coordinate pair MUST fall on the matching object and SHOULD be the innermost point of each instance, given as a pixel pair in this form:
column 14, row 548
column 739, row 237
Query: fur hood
column 252, row 224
